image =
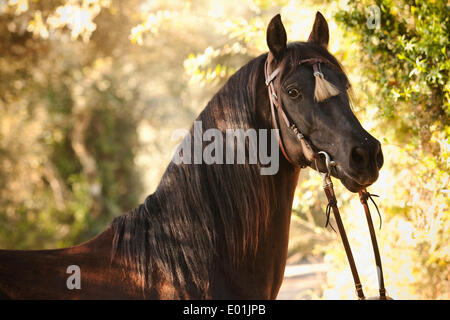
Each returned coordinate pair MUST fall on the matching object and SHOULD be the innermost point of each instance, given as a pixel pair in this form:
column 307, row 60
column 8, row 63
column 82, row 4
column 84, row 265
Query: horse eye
column 293, row 93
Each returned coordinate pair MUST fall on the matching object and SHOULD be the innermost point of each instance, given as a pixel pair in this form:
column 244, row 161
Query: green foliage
column 407, row 56
column 86, row 116
column 68, row 135
column 405, row 69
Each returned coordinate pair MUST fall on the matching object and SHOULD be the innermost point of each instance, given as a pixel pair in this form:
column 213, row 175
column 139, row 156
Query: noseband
column 311, row 155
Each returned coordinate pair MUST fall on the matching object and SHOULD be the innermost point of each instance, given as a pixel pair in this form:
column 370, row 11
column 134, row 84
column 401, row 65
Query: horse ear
column 276, row 37
column 319, row 33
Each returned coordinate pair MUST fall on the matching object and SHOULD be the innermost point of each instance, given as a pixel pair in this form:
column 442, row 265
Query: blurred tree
column 75, row 96
column 58, row 179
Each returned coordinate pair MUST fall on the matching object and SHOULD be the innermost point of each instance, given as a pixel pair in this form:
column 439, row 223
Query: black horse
column 213, row 231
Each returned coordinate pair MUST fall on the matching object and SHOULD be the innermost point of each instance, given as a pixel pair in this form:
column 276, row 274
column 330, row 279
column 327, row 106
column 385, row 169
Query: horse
column 218, row 231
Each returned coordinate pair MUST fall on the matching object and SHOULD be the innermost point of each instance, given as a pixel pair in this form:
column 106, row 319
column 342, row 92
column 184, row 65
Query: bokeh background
column 91, row 91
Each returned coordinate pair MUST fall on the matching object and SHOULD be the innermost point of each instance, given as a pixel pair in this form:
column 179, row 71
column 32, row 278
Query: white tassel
column 324, row 89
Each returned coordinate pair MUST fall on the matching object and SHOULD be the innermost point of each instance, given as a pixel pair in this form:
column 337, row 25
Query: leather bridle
column 311, row 155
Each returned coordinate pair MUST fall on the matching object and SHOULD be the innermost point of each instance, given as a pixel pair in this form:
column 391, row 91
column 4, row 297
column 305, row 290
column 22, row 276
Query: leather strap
column 329, row 191
column 317, row 61
column 363, row 196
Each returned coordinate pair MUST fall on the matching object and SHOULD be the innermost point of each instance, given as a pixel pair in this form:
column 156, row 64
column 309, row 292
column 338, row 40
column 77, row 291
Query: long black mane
column 202, row 213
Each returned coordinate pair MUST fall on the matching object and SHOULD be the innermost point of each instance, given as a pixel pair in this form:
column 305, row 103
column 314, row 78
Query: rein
column 311, row 156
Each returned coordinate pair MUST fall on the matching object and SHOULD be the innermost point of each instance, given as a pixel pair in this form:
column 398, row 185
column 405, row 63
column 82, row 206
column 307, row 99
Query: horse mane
column 202, row 212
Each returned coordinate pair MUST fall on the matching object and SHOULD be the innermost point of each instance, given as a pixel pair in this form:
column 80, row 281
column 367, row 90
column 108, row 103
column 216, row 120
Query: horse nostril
column 359, row 158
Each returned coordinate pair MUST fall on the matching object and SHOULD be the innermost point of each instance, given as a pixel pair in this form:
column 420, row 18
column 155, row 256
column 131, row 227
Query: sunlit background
column 91, row 91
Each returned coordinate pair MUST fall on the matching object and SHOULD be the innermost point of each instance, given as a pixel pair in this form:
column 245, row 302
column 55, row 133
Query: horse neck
column 260, row 274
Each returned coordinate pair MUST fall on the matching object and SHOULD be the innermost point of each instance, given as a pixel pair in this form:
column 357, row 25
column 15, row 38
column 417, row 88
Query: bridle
column 311, row 155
